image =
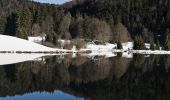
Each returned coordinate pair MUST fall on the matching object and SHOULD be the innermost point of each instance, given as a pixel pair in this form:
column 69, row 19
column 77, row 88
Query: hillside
column 148, row 18
column 104, row 20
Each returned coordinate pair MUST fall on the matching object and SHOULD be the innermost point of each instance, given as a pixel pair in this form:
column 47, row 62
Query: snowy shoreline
column 143, row 51
column 157, row 52
column 9, row 44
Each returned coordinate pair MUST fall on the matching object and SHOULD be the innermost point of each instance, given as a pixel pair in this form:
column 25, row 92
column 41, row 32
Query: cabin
column 147, row 46
column 37, row 38
column 65, row 43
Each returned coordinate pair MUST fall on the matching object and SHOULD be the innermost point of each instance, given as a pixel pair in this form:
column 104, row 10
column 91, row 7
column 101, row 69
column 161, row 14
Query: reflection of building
column 40, row 59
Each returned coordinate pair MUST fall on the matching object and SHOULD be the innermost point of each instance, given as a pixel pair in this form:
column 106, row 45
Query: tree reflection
column 143, row 77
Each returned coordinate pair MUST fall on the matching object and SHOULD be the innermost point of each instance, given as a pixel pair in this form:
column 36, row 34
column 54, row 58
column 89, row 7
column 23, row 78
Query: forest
column 141, row 21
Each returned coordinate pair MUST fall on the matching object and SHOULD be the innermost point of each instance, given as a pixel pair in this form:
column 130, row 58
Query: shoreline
column 88, row 51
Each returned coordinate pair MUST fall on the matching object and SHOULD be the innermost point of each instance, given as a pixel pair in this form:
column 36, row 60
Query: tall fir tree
column 167, row 43
column 139, row 43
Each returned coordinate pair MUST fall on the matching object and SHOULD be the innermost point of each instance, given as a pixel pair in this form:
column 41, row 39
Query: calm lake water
column 143, row 77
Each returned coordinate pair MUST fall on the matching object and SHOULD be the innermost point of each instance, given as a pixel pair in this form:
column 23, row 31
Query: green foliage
column 139, row 43
column 23, row 22
column 86, row 26
column 2, row 24
column 167, row 43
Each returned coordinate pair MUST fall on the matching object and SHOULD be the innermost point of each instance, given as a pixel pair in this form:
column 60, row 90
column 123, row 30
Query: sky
column 53, row 1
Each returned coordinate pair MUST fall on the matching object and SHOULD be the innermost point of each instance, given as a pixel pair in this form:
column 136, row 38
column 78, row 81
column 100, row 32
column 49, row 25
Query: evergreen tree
column 139, row 43
column 2, row 24
column 167, row 43
column 23, row 22
column 86, row 27
column 119, row 45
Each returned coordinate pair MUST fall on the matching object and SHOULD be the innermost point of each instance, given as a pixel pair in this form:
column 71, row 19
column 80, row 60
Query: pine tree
column 2, row 24
column 119, row 45
column 139, row 43
column 23, row 22
column 86, row 27
column 167, row 43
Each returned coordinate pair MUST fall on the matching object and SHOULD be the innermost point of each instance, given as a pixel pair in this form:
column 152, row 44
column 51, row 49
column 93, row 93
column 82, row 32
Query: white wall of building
column 36, row 39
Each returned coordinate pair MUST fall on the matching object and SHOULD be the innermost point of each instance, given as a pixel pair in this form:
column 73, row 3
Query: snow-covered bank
column 101, row 47
column 158, row 52
column 14, row 44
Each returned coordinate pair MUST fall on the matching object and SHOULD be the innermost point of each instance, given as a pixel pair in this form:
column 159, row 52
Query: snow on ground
column 105, row 47
column 150, row 52
column 13, row 44
column 127, row 46
column 9, row 43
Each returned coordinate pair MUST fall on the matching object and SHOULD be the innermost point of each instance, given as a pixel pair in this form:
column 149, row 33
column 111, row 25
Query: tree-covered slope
column 105, row 20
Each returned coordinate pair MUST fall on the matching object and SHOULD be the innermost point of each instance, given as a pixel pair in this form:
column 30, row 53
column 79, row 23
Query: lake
column 67, row 77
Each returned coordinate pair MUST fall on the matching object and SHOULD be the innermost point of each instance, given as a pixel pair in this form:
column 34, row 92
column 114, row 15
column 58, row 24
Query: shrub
column 80, row 43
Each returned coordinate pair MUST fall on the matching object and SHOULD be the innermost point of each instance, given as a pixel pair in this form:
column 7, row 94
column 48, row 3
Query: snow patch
column 102, row 47
column 127, row 45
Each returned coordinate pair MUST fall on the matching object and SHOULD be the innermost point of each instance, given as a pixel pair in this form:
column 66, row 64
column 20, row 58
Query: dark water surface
column 143, row 77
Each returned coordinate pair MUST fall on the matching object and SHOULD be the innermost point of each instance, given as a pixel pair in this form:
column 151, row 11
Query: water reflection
column 142, row 77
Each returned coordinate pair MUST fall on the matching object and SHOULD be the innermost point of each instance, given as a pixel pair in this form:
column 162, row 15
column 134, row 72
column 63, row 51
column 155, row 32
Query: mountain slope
column 148, row 18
